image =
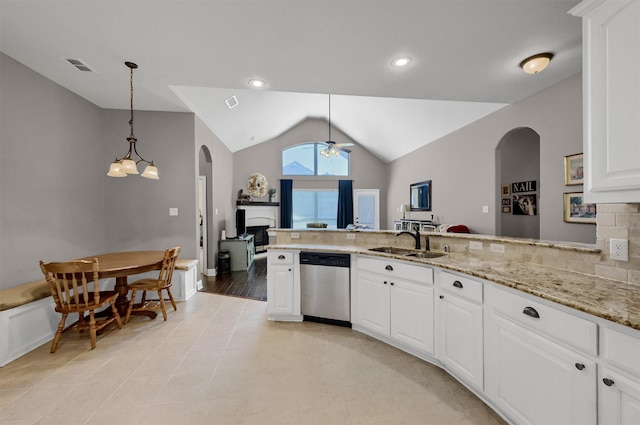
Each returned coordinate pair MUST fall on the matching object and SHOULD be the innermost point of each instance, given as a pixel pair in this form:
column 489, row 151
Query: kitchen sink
column 406, row 252
column 425, row 254
column 391, row 250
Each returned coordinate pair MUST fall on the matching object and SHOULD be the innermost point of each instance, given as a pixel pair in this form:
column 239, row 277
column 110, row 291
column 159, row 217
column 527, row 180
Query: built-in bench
column 28, row 318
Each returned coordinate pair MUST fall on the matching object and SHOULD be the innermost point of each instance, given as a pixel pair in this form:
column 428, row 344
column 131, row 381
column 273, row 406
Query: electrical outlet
column 351, row 236
column 619, row 249
column 295, row 235
column 476, row 246
column 497, row 248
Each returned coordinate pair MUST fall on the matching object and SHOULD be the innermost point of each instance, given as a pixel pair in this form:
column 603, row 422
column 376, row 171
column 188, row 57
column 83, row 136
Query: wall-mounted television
column 420, row 196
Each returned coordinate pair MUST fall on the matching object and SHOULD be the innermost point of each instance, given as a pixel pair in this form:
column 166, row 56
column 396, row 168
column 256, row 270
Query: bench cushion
column 23, row 294
column 185, row 263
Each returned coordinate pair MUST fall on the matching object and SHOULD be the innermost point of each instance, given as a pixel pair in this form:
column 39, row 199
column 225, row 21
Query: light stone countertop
column 612, row 300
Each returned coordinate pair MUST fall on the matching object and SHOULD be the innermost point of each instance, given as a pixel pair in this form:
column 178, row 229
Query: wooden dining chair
column 75, row 289
column 162, row 283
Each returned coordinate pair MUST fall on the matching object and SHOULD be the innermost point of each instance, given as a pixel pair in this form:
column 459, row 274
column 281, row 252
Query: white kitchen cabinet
column 611, row 98
column 394, row 301
column 530, row 375
column 618, row 398
column 283, row 286
column 460, row 327
column 619, row 379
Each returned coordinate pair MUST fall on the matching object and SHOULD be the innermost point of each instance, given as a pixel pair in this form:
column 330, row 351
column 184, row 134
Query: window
column 315, row 206
column 306, row 160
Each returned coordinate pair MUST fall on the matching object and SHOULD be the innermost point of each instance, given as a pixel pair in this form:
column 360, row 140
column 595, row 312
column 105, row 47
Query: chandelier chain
column 131, row 98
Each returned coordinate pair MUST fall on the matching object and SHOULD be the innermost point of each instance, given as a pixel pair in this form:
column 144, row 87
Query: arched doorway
column 205, row 185
column 518, row 160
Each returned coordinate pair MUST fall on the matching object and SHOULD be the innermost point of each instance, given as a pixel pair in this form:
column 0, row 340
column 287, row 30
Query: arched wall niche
column 518, row 160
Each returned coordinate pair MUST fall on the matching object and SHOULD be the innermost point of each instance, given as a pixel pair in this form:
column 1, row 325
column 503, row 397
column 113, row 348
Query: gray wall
column 57, row 203
column 220, row 192
column 367, row 171
column 137, row 209
column 51, row 174
column 462, row 165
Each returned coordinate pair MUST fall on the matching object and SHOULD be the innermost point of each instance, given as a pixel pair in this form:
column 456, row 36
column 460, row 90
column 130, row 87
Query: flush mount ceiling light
column 333, row 148
column 257, row 84
column 536, row 63
column 401, row 62
column 127, row 164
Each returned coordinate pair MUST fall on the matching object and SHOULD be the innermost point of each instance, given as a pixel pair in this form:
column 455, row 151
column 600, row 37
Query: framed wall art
column 576, row 210
column 506, row 189
column 573, row 169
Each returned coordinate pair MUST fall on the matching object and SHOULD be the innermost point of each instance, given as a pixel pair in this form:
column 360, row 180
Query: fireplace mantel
column 257, row 204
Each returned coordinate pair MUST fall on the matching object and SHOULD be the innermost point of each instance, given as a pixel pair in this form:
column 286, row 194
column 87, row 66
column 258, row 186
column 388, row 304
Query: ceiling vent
column 80, row 64
column 232, row 102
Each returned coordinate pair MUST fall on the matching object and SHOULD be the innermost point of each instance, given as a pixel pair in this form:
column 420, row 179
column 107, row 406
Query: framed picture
column 506, row 190
column 573, row 169
column 506, row 202
column 575, row 209
column 506, row 210
column 525, row 205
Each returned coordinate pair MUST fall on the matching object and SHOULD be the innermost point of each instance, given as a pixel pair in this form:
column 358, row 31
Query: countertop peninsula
column 608, row 299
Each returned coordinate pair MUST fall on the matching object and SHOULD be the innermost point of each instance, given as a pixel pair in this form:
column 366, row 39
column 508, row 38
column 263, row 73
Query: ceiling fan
column 333, row 148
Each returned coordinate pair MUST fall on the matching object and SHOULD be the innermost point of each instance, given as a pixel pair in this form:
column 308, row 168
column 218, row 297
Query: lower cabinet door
column 280, row 290
column 536, row 381
column 619, row 399
column 373, row 303
column 412, row 315
column 461, row 339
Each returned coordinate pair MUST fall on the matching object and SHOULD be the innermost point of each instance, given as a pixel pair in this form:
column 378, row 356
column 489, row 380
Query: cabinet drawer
column 461, row 286
column 621, row 350
column 396, row 269
column 563, row 327
column 280, row 257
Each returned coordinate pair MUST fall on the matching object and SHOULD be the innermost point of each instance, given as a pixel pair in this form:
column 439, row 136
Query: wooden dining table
column 123, row 264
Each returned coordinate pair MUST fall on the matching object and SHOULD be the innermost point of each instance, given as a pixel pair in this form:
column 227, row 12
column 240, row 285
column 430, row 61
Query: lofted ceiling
column 193, row 55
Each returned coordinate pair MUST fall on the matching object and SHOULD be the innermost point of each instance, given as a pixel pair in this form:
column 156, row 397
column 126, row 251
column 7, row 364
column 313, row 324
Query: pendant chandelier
column 127, row 164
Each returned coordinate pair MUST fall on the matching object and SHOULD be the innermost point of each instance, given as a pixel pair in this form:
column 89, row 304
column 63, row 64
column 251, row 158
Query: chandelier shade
column 128, row 164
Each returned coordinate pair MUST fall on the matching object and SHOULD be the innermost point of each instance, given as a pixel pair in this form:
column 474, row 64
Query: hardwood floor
column 244, row 284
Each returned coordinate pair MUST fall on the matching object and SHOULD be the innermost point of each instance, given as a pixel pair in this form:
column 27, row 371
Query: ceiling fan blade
column 343, row 144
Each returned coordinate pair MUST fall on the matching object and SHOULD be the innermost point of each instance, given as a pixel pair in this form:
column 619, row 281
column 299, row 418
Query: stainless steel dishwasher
column 325, row 287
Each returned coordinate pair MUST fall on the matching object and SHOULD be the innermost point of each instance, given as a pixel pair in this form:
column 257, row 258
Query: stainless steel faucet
column 415, row 235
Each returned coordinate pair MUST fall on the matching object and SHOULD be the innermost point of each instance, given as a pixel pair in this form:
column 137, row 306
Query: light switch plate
column 173, row 211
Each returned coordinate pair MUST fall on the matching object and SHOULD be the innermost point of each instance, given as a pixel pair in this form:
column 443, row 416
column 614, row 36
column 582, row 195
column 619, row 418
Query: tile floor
column 217, row 360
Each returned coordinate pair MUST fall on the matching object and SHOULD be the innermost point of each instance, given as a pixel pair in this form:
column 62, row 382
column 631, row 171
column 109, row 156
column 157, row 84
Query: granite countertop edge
column 613, row 300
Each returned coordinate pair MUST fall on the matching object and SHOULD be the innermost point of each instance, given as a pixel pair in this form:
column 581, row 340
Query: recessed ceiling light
column 257, row 84
column 536, row 63
column 401, row 62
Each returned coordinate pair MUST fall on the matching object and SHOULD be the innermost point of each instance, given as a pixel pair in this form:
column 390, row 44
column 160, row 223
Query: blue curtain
column 345, row 203
column 286, row 203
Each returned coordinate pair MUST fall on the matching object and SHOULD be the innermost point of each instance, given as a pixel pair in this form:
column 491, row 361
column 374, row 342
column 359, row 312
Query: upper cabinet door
column 611, row 60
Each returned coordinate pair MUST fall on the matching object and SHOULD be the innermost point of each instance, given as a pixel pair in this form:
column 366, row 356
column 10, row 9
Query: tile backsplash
column 619, row 221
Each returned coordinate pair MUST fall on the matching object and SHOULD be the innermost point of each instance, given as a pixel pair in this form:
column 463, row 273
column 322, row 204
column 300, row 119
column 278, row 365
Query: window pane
column 315, row 206
column 298, row 160
column 333, row 165
column 301, row 160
